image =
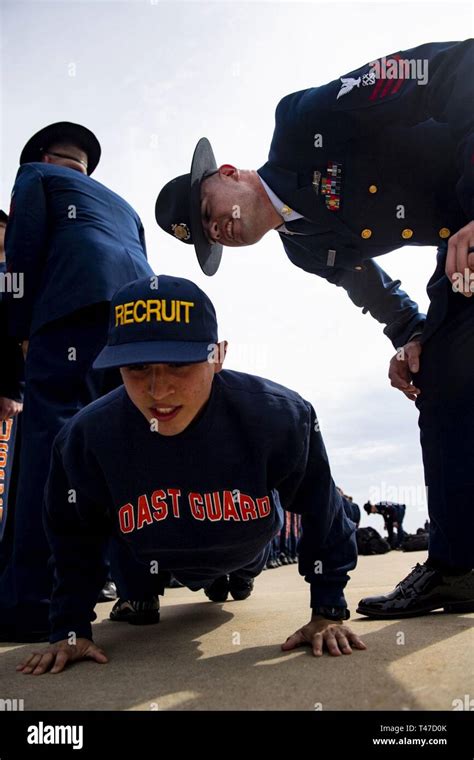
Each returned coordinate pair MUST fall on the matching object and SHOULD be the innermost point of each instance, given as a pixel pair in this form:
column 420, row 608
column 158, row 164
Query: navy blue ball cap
column 63, row 131
column 178, row 208
column 159, row 319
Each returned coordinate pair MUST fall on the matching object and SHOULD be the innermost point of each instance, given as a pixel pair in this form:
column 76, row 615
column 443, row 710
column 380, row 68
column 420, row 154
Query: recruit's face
column 231, row 208
column 170, row 396
column 65, row 154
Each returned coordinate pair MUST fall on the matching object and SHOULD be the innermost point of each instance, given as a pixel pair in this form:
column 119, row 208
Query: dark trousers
column 136, row 581
column 446, row 381
column 59, row 381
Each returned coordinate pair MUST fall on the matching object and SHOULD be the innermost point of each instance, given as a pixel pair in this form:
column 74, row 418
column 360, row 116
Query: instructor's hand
column 55, row 657
column 320, row 633
column 460, row 262
column 406, row 361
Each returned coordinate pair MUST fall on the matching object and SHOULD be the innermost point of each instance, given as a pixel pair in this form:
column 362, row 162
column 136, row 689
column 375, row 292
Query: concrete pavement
column 205, row 656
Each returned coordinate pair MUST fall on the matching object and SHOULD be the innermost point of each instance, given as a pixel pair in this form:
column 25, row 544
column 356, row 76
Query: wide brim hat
column 178, row 208
column 58, row 132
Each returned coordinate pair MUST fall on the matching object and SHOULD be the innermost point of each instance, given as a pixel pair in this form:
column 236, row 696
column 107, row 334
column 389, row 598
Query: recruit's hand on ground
column 406, row 361
column 9, row 408
column 321, row 634
column 55, row 657
column 458, row 259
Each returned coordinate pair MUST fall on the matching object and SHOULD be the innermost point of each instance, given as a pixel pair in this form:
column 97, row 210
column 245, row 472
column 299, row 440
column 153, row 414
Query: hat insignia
column 181, row 231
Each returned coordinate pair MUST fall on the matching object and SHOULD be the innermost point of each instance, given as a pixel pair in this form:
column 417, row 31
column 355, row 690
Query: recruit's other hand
column 55, row 657
column 405, row 362
column 321, row 634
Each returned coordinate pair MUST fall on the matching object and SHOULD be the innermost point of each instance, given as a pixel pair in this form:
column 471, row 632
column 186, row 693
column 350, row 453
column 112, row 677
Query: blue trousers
column 135, row 581
column 446, row 421
column 58, row 383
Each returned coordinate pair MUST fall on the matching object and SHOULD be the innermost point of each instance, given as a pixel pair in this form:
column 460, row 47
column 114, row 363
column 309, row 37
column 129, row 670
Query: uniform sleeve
column 327, row 549
column 371, row 289
column 78, row 528
column 25, row 246
column 441, row 89
column 375, row 292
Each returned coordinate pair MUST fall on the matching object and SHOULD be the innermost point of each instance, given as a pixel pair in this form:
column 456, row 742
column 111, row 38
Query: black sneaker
column 423, row 590
column 240, row 588
column 218, row 590
column 136, row 613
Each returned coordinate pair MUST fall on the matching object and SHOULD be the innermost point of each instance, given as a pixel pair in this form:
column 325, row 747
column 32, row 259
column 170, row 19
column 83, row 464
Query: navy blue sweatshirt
column 204, row 502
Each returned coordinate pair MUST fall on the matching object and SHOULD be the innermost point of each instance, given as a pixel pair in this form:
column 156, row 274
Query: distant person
column 74, row 242
column 351, row 508
column 393, row 516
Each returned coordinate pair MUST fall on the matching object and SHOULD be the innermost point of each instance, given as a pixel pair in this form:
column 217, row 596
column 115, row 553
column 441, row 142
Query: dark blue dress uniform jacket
column 75, row 240
column 397, row 143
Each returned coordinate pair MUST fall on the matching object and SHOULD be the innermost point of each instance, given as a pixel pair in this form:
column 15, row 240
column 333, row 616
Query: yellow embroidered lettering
column 119, row 314
column 172, row 317
column 187, row 305
column 136, row 318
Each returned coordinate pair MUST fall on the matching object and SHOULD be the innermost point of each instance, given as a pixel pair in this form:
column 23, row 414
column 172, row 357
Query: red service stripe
column 388, row 87
column 375, row 92
column 400, row 82
column 376, row 89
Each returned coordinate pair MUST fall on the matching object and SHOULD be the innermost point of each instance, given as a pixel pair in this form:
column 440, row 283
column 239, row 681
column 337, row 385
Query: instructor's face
column 170, row 396
column 231, row 208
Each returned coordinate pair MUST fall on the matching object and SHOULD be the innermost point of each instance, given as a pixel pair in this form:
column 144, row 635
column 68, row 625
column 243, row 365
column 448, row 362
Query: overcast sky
column 150, row 78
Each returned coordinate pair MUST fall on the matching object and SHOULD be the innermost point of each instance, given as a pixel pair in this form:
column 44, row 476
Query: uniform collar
column 283, row 209
column 298, row 192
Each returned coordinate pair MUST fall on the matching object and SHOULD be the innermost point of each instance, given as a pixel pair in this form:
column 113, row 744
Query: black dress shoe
column 240, row 588
column 218, row 589
column 108, row 593
column 422, row 591
column 136, row 613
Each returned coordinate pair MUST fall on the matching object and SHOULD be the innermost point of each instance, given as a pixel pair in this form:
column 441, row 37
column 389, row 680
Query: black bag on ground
column 415, row 543
column 369, row 541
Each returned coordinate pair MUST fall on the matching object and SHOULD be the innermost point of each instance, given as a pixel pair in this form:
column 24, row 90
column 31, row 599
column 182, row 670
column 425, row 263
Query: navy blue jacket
column 398, row 144
column 76, row 242
column 202, row 503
